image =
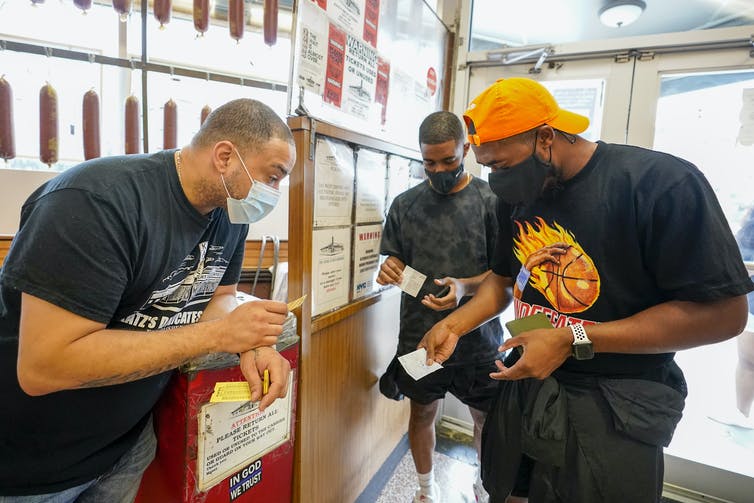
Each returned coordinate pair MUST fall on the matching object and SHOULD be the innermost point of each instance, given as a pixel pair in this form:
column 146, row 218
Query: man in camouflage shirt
column 446, row 228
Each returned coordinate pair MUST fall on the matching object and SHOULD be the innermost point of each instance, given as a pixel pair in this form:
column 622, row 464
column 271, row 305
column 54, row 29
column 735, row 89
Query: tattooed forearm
column 124, row 378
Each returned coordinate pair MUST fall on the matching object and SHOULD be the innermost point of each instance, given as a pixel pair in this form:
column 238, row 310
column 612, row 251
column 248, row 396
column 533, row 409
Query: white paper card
column 415, row 364
column 412, row 281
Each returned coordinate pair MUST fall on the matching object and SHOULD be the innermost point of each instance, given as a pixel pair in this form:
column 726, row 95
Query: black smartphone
column 443, row 292
column 429, row 287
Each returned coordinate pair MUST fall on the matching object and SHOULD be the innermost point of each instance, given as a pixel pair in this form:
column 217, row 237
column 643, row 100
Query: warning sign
column 231, row 434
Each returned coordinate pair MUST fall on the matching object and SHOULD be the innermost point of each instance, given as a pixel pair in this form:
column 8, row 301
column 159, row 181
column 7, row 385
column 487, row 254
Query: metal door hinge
column 623, row 57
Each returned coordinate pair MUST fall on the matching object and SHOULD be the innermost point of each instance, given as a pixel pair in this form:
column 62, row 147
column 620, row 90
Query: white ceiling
column 530, row 22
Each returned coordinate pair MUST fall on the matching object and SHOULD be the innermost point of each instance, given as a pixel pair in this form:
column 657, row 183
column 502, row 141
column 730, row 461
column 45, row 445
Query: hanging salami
column 133, row 145
column 90, row 125
column 270, row 22
column 123, row 8
column 205, row 112
column 84, row 5
column 162, row 11
column 48, row 125
column 170, row 129
column 236, row 19
column 201, row 16
column 7, row 143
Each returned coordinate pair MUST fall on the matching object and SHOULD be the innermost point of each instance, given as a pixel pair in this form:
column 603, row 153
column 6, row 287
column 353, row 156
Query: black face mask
column 521, row 183
column 444, row 181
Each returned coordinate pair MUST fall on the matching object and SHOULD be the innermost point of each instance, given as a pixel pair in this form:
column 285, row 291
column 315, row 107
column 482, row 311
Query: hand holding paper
column 415, row 364
column 412, row 281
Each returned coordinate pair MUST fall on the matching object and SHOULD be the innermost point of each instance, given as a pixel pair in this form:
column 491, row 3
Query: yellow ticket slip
column 294, row 304
column 237, row 391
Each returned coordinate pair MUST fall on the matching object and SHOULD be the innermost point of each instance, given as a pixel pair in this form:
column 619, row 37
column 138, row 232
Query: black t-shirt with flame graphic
column 639, row 228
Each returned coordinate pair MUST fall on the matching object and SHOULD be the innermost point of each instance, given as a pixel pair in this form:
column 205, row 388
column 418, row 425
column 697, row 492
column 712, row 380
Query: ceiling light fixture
column 619, row 13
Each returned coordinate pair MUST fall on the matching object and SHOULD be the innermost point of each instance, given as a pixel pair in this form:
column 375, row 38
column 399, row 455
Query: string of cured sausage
column 133, row 146
column 7, row 142
column 201, row 16
column 84, row 5
column 48, row 125
column 206, row 110
column 162, row 10
column 236, row 19
column 90, row 125
column 123, row 8
column 170, row 125
column 270, row 23
column 48, row 100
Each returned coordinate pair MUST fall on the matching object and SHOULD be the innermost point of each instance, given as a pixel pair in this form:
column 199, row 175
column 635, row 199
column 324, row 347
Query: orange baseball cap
column 512, row 106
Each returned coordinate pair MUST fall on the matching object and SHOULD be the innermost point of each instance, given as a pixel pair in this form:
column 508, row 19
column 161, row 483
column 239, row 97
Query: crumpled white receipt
column 412, row 281
column 415, row 364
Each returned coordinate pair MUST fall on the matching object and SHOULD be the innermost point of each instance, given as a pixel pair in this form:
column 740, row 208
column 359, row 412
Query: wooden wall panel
column 4, row 247
column 250, row 258
column 348, row 429
column 345, row 429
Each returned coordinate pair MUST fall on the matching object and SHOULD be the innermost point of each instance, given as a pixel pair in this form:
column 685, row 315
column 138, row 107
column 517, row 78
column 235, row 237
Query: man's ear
column 222, row 152
column 466, row 148
column 545, row 135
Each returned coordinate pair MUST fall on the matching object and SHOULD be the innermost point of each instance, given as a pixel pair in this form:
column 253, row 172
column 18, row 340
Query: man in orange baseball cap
column 516, row 114
column 603, row 240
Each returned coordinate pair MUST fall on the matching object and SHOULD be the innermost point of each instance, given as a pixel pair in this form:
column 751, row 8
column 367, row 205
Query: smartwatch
column 582, row 348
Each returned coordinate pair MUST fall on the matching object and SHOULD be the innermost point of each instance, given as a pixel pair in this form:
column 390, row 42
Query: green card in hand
column 521, row 325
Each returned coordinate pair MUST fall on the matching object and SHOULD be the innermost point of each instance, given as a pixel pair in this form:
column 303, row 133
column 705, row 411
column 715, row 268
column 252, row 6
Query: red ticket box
column 222, row 452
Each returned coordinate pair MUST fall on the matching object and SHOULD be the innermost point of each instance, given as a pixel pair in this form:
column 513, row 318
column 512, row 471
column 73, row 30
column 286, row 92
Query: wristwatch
column 582, row 348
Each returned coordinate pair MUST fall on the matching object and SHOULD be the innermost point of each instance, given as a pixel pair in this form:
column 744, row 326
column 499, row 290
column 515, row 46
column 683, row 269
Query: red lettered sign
column 383, row 85
column 371, row 21
column 336, row 55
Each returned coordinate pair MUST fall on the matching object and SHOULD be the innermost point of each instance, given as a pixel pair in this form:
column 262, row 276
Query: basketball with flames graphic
column 559, row 268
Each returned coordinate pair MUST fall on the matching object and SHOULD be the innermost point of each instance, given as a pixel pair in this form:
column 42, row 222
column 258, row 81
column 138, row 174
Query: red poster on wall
column 336, row 54
column 383, row 85
column 371, row 21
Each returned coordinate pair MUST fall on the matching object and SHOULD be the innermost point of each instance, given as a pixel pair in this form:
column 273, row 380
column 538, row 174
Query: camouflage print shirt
column 444, row 235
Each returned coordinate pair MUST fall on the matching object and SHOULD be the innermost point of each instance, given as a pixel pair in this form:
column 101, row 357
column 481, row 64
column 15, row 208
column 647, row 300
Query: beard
column 554, row 183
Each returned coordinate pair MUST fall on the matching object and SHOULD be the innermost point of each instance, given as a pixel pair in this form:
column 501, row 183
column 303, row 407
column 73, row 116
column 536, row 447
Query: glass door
column 701, row 107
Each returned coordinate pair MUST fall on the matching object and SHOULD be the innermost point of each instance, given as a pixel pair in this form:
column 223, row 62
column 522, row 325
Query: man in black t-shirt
column 628, row 254
column 445, row 228
column 124, row 268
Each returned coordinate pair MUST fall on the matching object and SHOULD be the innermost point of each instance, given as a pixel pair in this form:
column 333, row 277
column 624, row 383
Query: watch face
column 583, row 351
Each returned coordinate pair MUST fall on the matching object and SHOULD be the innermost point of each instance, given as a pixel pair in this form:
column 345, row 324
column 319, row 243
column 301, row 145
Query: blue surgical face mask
column 258, row 204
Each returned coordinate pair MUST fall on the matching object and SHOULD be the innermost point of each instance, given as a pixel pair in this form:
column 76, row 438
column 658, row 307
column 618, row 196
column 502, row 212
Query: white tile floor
column 455, row 479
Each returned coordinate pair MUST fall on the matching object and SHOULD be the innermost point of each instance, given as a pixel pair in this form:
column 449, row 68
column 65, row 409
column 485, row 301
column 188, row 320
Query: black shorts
column 471, row 384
